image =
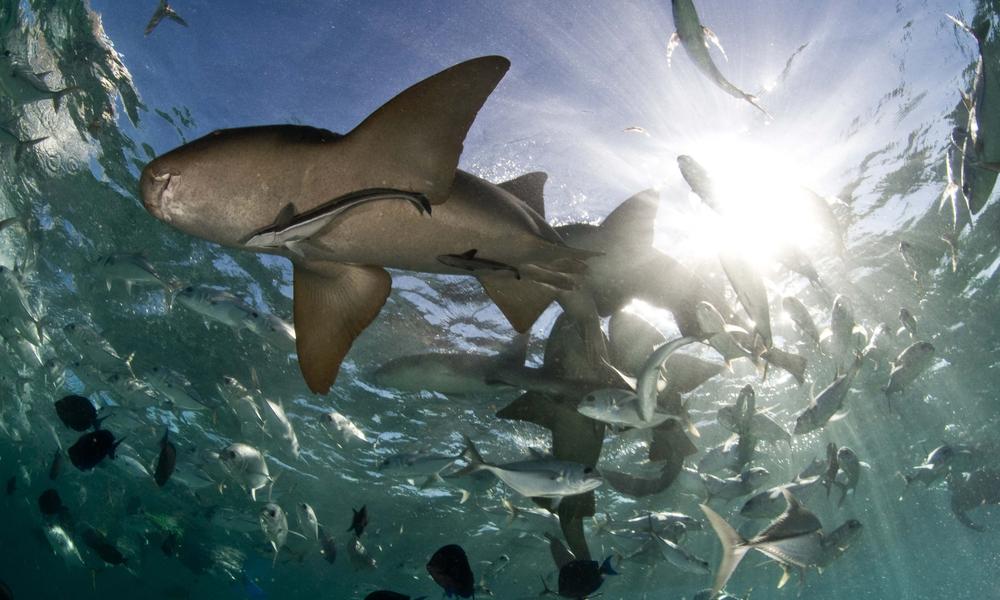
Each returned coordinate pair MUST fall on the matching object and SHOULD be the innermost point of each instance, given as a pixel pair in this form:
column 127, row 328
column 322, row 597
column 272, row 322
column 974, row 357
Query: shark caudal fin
column 333, row 304
column 472, row 456
column 413, row 142
column 734, row 548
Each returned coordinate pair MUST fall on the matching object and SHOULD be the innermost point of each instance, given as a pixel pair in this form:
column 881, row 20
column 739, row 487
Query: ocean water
column 863, row 100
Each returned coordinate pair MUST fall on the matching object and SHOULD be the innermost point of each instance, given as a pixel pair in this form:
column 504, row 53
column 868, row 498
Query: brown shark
column 348, row 203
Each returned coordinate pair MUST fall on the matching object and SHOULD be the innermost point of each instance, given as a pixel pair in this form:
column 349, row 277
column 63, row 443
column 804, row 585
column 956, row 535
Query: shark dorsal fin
column 413, row 141
column 795, row 521
column 529, row 189
column 633, row 220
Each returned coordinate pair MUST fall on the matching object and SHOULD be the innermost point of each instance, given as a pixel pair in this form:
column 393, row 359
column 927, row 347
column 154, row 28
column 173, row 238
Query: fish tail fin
column 756, row 104
column 472, row 455
column 512, row 511
column 734, row 548
column 606, row 567
column 58, row 95
column 23, row 145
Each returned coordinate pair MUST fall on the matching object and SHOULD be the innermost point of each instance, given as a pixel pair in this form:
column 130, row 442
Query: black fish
column 92, row 448
column 387, row 595
column 171, row 545
column 77, row 413
column 5, row 593
column 50, row 503
column 166, row 462
column 359, row 521
column 327, row 546
column 581, row 578
column 449, row 567
column 56, row 465
column 12, row 485
column 96, row 541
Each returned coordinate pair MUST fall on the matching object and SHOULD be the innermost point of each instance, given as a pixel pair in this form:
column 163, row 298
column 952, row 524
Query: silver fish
column 799, row 315
column 538, row 478
column 247, row 466
column 274, row 524
column 909, row 365
column 334, row 421
column 278, row 424
column 307, row 520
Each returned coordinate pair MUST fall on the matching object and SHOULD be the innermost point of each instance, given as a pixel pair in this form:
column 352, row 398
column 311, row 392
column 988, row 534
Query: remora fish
column 231, row 184
column 794, row 539
column 131, row 269
column 537, row 478
column 695, row 38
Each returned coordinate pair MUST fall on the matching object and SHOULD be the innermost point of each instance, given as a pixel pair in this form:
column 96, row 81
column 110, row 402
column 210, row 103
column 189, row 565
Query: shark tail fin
column 734, row 548
column 472, row 455
column 23, row 145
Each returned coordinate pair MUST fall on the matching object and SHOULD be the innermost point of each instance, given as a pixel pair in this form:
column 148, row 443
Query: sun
column 762, row 206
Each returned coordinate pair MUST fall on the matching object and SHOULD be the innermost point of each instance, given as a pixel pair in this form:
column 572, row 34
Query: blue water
column 864, row 98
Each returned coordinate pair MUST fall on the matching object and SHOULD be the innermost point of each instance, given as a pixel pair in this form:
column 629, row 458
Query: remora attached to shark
column 331, row 204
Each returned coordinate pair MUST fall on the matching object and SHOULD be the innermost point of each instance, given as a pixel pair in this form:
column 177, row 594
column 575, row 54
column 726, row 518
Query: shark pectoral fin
column 529, row 189
column 333, row 304
column 416, row 138
column 675, row 40
column 520, row 300
column 711, row 38
column 533, row 407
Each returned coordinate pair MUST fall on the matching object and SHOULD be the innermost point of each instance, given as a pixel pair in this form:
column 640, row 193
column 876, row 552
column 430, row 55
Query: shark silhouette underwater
column 342, row 208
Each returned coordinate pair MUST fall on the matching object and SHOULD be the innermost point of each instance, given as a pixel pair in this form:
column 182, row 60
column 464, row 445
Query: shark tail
column 734, row 548
column 471, row 454
column 23, row 145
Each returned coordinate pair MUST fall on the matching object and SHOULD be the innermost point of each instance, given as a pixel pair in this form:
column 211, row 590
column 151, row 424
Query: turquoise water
column 864, row 98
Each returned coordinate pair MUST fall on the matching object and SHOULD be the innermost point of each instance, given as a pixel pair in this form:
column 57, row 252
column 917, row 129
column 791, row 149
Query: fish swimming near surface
column 9, row 138
column 308, row 522
column 799, row 315
column 579, row 579
column 695, row 37
column 794, row 540
column 166, row 461
column 24, row 86
column 828, row 402
column 92, row 448
column 908, row 366
column 541, row 477
column 77, row 413
column 359, row 521
column 164, row 11
column 233, row 184
column 274, row 524
column 449, row 567
column 102, row 546
column 247, row 466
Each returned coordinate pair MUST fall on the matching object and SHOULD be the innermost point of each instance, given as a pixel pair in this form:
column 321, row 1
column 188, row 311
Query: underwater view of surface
column 651, row 299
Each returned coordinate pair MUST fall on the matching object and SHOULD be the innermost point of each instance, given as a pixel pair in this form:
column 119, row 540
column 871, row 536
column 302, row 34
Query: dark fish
column 359, row 521
column 581, row 578
column 77, row 413
column 5, row 593
column 12, row 485
column 50, row 503
column 328, row 546
column 56, row 465
column 96, row 541
column 387, row 595
column 166, row 462
column 449, row 567
column 92, row 448
column 171, row 545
